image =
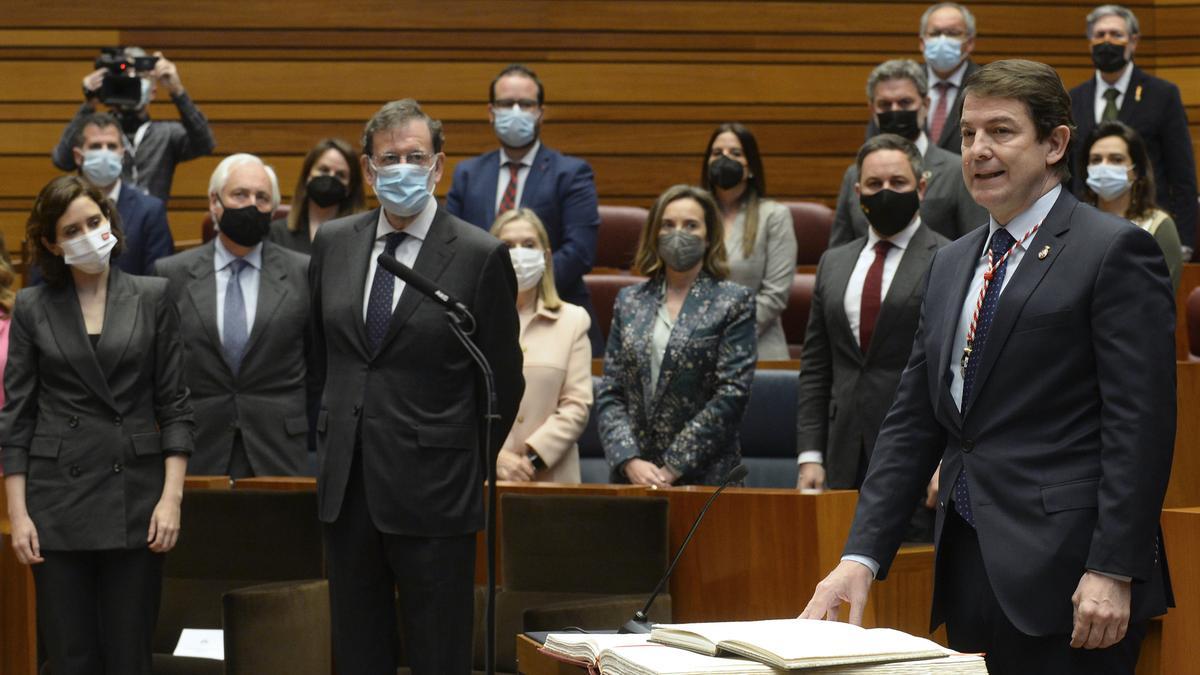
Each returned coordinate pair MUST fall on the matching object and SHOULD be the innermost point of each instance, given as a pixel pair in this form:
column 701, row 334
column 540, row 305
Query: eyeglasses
column 525, row 104
column 392, row 159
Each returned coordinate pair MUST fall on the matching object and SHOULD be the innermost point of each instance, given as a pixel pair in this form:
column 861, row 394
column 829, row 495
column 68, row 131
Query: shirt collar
column 222, row 257
column 1020, row 225
column 922, row 143
column 115, row 193
column 900, row 239
column 527, row 160
column 955, row 78
column 1122, row 83
column 418, row 229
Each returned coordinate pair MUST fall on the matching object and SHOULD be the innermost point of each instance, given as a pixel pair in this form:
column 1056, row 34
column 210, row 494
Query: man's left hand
column 166, row 75
column 1101, row 611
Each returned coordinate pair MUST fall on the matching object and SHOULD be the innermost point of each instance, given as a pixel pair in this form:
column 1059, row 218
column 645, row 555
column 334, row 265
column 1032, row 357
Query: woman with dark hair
column 330, row 186
column 95, row 435
column 760, row 243
column 681, row 353
column 1120, row 180
column 7, row 298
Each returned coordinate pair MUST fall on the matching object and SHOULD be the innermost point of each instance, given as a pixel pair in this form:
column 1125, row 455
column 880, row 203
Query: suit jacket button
column 117, row 421
column 73, row 422
column 520, row 419
column 76, row 472
column 117, row 467
column 968, row 445
column 357, row 410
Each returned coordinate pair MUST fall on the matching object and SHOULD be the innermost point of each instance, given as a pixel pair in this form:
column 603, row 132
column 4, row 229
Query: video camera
column 121, row 86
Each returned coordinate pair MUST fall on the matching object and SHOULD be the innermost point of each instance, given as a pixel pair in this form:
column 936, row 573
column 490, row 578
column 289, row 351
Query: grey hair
column 397, row 114
column 968, row 17
column 898, row 69
column 1112, row 10
column 891, row 142
column 220, row 175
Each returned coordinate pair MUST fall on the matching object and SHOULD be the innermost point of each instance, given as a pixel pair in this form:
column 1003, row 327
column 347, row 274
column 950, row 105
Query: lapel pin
column 1137, row 94
column 1043, row 253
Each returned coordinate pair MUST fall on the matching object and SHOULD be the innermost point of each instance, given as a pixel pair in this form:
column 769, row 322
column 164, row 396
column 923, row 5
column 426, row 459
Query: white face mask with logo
column 90, row 253
column 529, row 265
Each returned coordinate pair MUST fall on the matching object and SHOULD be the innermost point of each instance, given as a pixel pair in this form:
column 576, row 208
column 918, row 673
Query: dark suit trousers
column 976, row 623
column 434, row 577
column 97, row 610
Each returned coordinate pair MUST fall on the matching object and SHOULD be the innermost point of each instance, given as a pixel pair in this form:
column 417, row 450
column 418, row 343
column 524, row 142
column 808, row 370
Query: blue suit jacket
column 144, row 224
column 560, row 189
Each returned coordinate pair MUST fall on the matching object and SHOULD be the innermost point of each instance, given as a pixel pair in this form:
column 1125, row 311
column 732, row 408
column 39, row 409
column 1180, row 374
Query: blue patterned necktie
column 1002, row 241
column 379, row 307
column 236, row 333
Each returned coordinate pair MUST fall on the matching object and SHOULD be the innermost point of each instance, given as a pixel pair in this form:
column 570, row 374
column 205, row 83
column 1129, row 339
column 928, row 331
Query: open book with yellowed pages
column 792, row 644
column 611, row 654
column 652, row 659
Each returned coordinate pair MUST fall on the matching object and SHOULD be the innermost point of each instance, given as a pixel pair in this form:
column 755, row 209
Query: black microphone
column 640, row 623
column 426, row 288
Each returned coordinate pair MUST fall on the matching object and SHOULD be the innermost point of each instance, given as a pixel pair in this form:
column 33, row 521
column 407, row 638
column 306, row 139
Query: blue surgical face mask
column 514, row 127
column 943, row 52
column 403, row 189
column 1108, row 180
column 102, row 167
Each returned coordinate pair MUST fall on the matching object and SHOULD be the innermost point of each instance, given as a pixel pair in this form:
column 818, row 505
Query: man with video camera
column 126, row 79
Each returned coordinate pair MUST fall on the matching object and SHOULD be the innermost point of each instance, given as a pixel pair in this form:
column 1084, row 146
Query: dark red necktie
column 872, row 296
column 940, row 111
column 509, row 200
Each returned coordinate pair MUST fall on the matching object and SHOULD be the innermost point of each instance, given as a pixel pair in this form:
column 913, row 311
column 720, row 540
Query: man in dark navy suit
column 1122, row 91
column 525, row 173
column 99, row 152
column 1042, row 380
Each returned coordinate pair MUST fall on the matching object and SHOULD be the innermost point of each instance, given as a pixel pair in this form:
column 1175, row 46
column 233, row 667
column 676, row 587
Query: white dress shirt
column 852, row 301
column 247, row 279
column 406, row 251
column 1121, row 85
column 955, row 80
column 526, row 163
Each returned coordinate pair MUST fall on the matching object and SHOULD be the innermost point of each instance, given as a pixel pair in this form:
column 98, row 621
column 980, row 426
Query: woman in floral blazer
column 681, row 353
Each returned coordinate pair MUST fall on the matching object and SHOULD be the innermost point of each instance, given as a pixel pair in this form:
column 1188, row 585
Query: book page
column 652, row 659
column 587, row 646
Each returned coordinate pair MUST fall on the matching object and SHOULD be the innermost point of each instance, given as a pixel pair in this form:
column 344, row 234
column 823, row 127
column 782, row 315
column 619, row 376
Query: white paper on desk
column 201, row 643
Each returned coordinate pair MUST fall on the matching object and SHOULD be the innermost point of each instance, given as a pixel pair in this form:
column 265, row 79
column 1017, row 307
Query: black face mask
column 889, row 211
column 245, row 226
column 1109, row 58
column 326, row 190
column 903, row 123
column 725, row 173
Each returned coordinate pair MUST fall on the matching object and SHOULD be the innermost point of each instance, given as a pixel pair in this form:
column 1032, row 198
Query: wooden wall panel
column 634, row 86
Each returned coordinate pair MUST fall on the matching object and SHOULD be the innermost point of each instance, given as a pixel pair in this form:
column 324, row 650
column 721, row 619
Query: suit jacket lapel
column 1024, row 281
column 202, row 293
column 435, row 255
column 642, row 323
column 70, row 333
column 690, row 316
column 1129, row 104
column 1087, row 102
column 120, row 322
column 952, row 121
column 841, row 268
column 914, row 264
column 962, row 273
column 271, row 292
column 357, row 260
column 538, row 171
column 489, row 182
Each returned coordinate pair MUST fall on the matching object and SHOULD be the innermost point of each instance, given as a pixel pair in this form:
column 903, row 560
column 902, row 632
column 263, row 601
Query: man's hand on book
column 1101, row 611
column 848, row 582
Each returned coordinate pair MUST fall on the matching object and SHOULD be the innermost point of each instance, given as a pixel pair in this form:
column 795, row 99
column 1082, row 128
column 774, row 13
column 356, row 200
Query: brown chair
column 616, row 242
column 1193, row 323
column 795, row 315
column 812, row 222
column 207, row 231
column 575, row 560
column 603, row 289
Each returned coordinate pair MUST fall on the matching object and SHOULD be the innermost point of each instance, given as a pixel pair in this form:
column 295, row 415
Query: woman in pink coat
column 558, row 357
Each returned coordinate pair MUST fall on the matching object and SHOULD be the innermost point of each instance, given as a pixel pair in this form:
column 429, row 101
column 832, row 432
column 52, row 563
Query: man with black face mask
column 865, row 310
column 1122, row 91
column 243, row 309
column 152, row 148
column 897, row 97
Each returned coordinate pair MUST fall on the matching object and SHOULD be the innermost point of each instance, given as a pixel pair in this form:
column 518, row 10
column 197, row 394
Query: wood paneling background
column 634, row 86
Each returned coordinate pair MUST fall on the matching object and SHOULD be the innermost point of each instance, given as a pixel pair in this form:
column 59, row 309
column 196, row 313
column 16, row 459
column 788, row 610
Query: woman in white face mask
column 95, row 431
column 1120, row 180
column 558, row 362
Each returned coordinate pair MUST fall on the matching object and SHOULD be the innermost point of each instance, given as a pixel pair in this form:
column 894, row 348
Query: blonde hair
column 546, row 288
column 648, row 262
column 7, row 276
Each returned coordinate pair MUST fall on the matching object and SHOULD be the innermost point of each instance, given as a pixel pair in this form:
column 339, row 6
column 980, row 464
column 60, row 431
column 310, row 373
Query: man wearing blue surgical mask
column 947, row 40
column 152, row 147
column 98, row 149
column 523, row 172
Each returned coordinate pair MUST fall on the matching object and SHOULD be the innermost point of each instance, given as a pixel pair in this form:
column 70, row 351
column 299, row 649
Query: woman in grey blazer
column 681, row 353
column 760, row 243
column 95, row 432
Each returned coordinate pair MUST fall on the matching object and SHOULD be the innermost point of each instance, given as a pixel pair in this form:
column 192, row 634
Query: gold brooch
column 1043, row 253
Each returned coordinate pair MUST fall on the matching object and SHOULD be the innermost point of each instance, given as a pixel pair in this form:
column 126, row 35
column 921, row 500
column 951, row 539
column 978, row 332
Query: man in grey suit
column 399, row 431
column 243, row 307
column 866, row 306
column 897, row 96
